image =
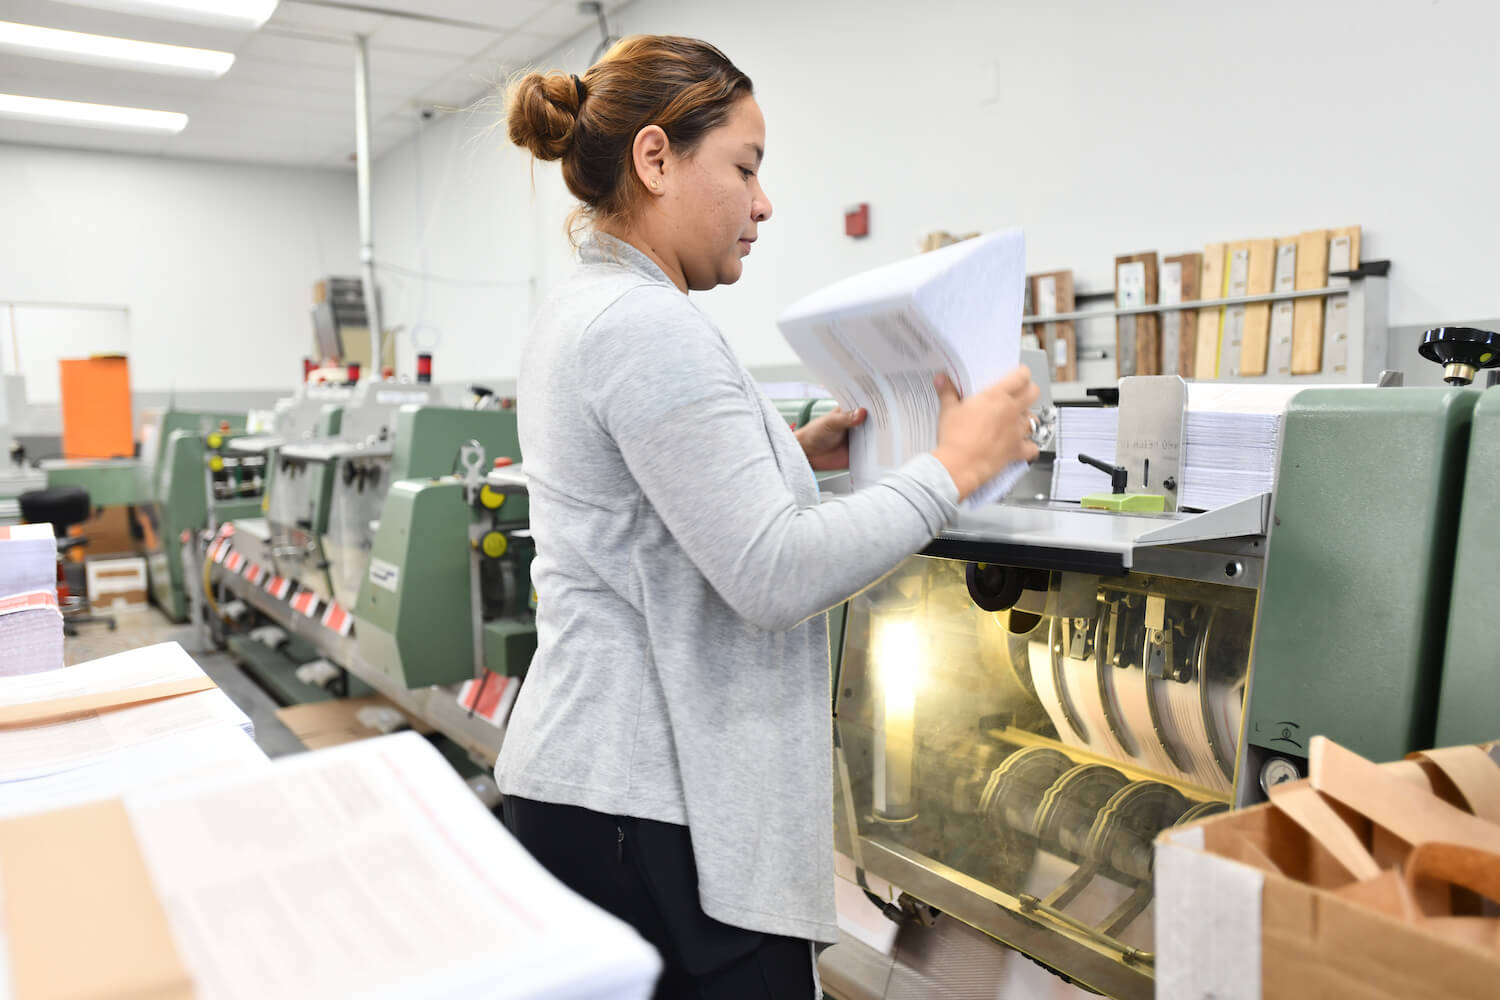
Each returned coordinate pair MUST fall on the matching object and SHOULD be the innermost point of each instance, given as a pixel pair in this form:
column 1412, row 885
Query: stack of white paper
column 369, row 870
column 877, row 339
column 1231, row 442
column 1083, row 430
column 31, row 632
column 74, row 756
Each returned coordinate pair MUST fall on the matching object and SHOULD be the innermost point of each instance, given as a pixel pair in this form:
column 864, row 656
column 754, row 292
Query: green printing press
column 448, row 585
column 201, row 469
column 395, row 515
column 1023, row 707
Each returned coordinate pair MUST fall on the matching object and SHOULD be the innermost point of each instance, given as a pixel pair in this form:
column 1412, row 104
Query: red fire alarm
column 857, row 221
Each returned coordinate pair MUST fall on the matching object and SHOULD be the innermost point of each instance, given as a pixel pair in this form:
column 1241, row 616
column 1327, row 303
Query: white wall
column 215, row 262
column 1102, row 127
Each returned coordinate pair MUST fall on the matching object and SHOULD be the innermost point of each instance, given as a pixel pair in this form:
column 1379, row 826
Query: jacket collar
column 601, row 248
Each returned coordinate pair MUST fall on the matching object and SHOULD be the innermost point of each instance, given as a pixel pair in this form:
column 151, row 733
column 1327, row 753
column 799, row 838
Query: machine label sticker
column 337, row 619
column 384, row 575
column 306, row 602
column 397, row 397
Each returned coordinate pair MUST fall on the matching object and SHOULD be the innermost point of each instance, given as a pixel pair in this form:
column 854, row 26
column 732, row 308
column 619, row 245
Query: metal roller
column 1068, row 810
column 1125, row 828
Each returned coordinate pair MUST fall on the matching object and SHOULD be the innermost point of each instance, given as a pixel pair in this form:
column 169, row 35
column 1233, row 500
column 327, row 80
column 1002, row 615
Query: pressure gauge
column 1277, row 771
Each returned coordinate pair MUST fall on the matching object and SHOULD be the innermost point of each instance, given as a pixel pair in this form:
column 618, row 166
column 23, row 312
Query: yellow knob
column 216, row 462
column 215, row 440
column 494, row 544
column 489, row 498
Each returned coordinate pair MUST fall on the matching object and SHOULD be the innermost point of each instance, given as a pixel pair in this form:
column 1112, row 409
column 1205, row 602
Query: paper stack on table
column 877, row 339
column 31, row 632
column 126, row 721
column 365, row 870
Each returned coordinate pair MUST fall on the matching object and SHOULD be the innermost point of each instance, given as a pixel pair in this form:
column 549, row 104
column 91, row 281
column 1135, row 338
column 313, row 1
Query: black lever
column 1117, row 473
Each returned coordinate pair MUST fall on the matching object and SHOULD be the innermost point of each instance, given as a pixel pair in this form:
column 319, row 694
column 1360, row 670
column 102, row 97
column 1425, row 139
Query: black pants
column 643, row 872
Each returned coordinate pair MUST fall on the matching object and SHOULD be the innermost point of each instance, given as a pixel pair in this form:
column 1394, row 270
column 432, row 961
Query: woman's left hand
column 826, row 439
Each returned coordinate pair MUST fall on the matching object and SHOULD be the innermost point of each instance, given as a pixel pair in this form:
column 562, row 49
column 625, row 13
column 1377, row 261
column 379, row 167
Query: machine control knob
column 1277, row 771
column 491, row 499
column 1461, row 350
column 994, row 587
column 494, row 544
column 215, row 440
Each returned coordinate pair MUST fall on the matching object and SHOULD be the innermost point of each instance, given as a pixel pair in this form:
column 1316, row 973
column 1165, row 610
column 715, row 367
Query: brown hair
column 685, row 86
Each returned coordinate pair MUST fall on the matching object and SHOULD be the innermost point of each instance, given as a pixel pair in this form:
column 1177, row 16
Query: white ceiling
column 289, row 98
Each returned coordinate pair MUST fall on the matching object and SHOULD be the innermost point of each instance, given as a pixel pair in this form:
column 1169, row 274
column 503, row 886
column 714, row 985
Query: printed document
column 877, row 339
column 369, row 870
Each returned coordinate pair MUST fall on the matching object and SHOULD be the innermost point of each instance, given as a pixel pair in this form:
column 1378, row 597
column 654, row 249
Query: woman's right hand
column 979, row 437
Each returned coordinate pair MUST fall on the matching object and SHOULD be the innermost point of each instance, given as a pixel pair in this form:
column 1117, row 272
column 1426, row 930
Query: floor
column 134, row 629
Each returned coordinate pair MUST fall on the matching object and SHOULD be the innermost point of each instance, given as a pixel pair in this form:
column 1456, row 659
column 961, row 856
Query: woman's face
column 713, row 202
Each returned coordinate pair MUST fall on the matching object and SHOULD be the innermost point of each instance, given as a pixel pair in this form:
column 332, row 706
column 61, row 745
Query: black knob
column 994, row 587
column 1461, row 350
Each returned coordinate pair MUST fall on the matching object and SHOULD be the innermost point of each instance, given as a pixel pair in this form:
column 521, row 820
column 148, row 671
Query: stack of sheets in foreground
column 31, row 632
column 132, row 720
column 365, row 870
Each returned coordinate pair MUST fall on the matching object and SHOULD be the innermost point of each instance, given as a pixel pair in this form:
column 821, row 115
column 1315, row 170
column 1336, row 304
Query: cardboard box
column 329, row 723
column 116, row 584
column 109, row 533
column 1356, row 884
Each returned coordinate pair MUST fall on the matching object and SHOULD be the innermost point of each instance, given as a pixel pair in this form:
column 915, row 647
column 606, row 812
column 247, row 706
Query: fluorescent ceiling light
column 247, row 15
column 42, row 109
column 102, row 50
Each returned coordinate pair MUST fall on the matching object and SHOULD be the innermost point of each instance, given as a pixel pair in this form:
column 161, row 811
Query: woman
column 669, row 755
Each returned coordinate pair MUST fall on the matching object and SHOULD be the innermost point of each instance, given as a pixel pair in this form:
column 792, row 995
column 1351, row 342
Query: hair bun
column 543, row 113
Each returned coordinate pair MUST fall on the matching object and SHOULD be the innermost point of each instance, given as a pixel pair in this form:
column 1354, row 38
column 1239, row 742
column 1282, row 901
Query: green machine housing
column 1469, row 699
column 447, row 549
column 1354, row 606
column 179, row 498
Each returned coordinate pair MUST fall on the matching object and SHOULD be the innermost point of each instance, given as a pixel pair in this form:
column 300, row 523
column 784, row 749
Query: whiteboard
column 35, row 337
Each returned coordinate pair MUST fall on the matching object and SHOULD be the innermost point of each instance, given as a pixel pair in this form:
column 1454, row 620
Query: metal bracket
column 1170, row 294
column 1148, row 442
column 1234, row 316
column 471, row 460
column 1279, row 360
column 1336, row 314
column 1130, row 278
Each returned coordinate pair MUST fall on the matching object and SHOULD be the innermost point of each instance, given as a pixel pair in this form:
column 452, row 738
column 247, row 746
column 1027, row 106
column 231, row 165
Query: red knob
column 501, row 463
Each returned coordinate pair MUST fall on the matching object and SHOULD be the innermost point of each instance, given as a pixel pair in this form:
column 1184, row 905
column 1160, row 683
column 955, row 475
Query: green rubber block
column 1143, row 503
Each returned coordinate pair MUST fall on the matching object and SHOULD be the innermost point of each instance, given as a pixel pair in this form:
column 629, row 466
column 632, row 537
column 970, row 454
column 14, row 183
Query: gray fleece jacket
column 683, row 568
